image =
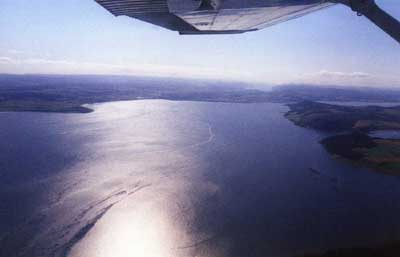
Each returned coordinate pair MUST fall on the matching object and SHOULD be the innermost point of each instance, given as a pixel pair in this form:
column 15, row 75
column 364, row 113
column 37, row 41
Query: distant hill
column 67, row 93
column 62, row 93
column 295, row 93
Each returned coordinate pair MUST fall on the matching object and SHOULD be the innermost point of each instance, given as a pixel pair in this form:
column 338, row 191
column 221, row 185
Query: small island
column 353, row 124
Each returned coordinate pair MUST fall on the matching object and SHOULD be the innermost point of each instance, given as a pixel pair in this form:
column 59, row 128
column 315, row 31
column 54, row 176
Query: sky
column 330, row 47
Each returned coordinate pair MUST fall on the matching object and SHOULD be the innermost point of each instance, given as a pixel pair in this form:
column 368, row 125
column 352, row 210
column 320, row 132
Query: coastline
column 45, row 107
column 350, row 126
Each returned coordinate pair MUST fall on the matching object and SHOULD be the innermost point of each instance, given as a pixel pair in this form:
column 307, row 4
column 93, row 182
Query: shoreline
column 58, row 107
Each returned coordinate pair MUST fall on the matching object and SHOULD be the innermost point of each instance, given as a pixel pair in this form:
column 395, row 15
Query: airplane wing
column 213, row 16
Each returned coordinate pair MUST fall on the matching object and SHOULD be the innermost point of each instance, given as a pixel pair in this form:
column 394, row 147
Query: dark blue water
column 160, row 178
column 387, row 134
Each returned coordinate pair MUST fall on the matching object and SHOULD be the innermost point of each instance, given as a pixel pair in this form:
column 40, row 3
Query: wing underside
column 213, row 16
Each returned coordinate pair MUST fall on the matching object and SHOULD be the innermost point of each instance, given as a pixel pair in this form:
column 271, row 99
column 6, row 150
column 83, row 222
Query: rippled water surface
column 158, row 178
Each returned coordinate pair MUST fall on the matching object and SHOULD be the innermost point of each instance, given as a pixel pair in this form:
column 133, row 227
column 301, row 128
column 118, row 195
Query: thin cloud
column 59, row 66
column 42, row 65
column 15, row 51
column 356, row 78
column 46, row 61
column 6, row 60
column 338, row 74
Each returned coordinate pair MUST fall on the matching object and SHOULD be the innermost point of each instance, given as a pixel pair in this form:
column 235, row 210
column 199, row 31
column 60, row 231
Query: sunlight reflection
column 146, row 223
column 138, row 228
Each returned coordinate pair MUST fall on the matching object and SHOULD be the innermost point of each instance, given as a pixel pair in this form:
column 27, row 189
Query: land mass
column 70, row 93
column 380, row 154
column 338, row 118
column 56, row 93
column 355, row 122
column 43, row 106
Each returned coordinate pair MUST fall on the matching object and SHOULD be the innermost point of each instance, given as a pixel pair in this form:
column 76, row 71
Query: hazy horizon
column 251, row 84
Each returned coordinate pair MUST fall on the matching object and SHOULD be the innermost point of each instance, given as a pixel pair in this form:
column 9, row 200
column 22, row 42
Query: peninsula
column 353, row 124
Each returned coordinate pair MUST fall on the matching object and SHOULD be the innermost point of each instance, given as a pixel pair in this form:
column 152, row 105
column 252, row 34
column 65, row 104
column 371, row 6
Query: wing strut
column 374, row 13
